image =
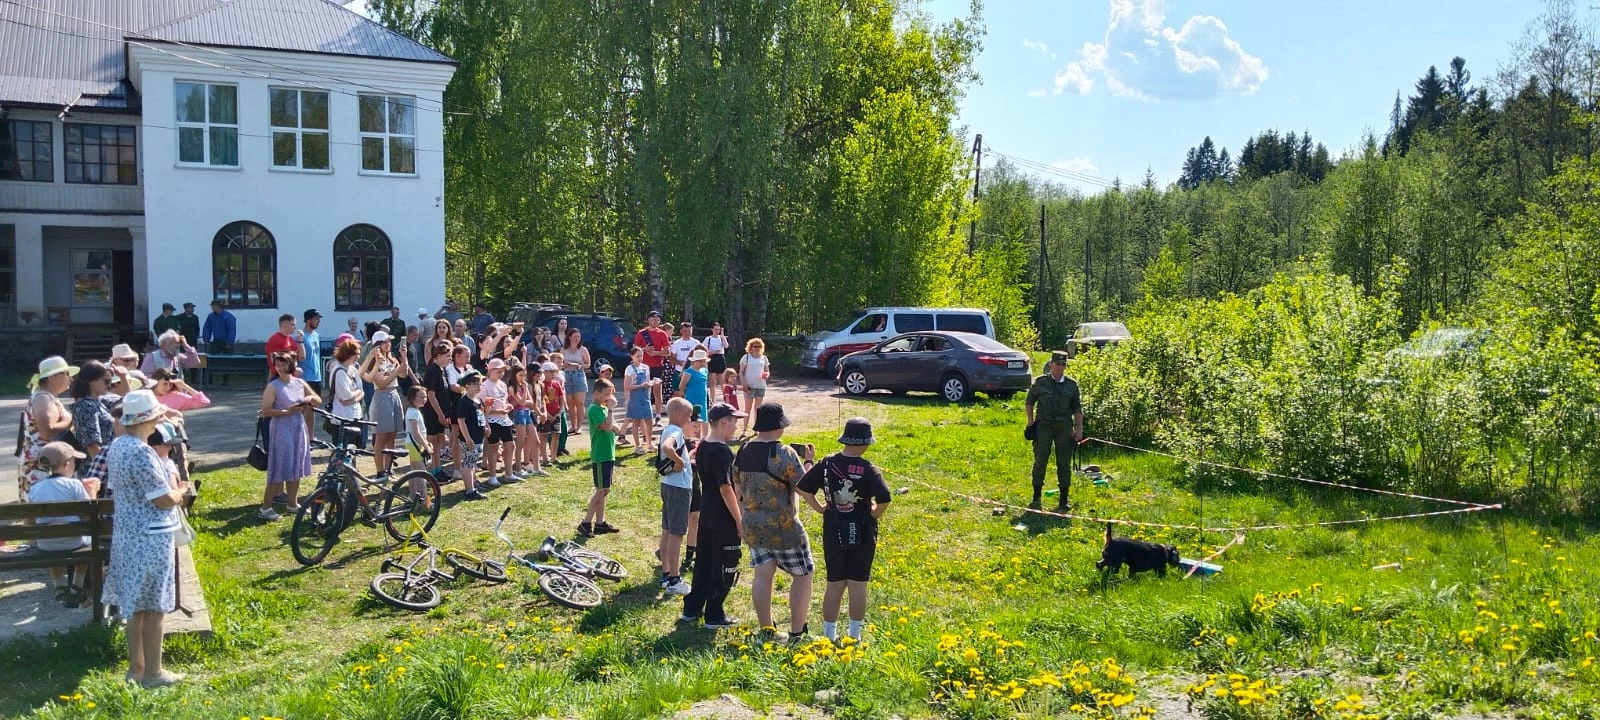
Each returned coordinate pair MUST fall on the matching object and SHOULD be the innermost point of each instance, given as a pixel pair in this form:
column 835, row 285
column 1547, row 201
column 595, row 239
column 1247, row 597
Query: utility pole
column 1086, row 237
column 977, row 178
column 1043, row 288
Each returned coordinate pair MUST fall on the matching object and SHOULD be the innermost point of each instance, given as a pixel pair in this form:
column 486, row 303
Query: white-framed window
column 208, row 124
column 389, row 134
column 299, row 128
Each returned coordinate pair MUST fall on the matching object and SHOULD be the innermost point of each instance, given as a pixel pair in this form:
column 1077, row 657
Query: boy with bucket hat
column 767, row 472
column 854, row 499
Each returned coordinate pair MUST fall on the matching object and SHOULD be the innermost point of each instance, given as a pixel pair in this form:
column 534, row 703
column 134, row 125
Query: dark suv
column 534, row 313
column 607, row 337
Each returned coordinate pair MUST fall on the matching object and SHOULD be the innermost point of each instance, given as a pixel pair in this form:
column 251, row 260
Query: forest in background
column 776, row 163
column 768, row 163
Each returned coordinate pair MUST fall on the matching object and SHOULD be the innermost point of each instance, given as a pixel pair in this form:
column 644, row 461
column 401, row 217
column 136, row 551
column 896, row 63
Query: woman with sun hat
column 47, row 417
column 141, row 578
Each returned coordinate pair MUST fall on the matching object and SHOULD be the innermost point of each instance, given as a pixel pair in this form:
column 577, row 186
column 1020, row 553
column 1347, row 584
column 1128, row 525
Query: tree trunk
column 652, row 274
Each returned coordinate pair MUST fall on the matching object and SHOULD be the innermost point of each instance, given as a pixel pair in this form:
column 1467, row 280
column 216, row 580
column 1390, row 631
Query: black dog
column 1138, row 555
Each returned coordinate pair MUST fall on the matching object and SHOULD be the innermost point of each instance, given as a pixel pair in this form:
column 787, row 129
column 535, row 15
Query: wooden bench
column 94, row 520
column 213, row 366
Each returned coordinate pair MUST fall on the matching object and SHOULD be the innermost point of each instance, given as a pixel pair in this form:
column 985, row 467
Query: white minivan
column 865, row 328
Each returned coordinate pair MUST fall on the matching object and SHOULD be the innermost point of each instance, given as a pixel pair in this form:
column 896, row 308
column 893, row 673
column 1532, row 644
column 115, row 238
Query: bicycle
column 342, row 492
column 413, row 586
column 565, row 581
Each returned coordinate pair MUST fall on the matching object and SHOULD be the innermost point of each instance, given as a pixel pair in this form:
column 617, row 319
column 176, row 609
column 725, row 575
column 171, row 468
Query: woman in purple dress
column 288, row 444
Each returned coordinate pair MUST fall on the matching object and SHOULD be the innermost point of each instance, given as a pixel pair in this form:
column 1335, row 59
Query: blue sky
column 1111, row 87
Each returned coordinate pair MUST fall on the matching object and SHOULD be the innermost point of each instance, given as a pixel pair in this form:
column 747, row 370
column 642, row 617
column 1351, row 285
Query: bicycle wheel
column 603, row 567
column 402, row 502
column 317, row 526
column 571, row 589
column 406, row 594
column 476, row 567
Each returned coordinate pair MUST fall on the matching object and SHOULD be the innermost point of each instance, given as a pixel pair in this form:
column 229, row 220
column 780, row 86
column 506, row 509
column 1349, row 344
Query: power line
column 1062, row 172
column 134, row 33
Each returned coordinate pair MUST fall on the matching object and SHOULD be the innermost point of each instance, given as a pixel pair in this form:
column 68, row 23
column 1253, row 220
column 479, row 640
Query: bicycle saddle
column 547, row 548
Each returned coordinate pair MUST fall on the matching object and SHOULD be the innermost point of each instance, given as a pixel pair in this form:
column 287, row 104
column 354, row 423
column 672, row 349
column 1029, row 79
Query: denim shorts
column 521, row 416
column 576, row 382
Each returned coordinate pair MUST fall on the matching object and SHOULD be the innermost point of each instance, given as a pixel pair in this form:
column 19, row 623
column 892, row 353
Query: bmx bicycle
column 342, row 496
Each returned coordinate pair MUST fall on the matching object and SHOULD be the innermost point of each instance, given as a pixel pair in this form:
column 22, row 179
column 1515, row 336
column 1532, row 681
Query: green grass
column 1488, row 612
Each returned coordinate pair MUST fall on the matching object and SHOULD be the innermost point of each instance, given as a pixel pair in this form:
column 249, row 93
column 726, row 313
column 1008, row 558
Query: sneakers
column 490, row 483
column 1035, row 505
column 541, row 472
column 1063, row 506
column 722, row 624
column 771, row 634
column 586, row 529
column 511, row 479
column 689, row 619
column 605, row 528
column 474, row 494
column 268, row 514
column 799, row 636
column 675, row 586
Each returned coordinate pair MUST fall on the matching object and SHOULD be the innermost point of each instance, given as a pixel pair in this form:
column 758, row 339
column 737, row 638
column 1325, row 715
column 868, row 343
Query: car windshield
column 1444, row 340
column 847, row 322
column 982, row 343
column 1102, row 330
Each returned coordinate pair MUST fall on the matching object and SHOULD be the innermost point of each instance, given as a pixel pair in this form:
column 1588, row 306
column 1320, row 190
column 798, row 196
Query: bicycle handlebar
column 335, row 419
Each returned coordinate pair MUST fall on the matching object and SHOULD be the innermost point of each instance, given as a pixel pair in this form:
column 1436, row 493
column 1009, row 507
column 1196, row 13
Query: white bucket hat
column 141, row 406
column 123, row 350
column 699, row 355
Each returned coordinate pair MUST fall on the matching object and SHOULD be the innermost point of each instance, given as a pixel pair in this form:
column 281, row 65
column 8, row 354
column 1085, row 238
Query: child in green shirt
column 602, row 458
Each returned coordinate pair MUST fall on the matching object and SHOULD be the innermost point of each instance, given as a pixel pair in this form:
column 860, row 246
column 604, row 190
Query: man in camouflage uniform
column 1055, row 417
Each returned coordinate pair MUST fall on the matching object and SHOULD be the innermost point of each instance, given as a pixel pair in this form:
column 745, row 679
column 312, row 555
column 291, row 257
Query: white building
column 279, row 155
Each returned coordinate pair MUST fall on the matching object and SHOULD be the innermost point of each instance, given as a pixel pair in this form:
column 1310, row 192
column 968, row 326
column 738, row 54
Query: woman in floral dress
column 141, row 575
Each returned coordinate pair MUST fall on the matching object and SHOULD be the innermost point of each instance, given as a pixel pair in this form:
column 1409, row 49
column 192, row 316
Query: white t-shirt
column 672, row 434
column 414, row 425
column 497, row 394
column 716, row 344
column 681, row 349
column 753, row 367
column 346, row 386
column 58, row 489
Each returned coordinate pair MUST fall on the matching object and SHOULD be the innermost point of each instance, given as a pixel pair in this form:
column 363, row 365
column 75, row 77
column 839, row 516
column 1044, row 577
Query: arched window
column 361, row 269
column 244, row 266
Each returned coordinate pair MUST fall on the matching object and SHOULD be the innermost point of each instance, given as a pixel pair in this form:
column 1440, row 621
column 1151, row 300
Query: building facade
column 276, row 155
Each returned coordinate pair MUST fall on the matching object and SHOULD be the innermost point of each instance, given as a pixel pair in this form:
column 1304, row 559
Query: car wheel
column 855, row 382
column 830, row 368
column 955, row 389
column 594, row 365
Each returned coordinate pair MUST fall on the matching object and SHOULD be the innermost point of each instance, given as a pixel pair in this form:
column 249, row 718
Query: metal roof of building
column 60, row 52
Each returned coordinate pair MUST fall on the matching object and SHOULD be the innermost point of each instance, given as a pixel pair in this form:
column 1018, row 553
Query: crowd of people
column 122, row 435
column 480, row 401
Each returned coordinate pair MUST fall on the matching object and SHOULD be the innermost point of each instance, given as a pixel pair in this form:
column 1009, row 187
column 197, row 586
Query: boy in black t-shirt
column 856, row 497
column 721, row 523
column 469, row 428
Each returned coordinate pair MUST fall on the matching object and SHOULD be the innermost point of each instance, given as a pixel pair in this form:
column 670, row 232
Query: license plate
column 1014, row 365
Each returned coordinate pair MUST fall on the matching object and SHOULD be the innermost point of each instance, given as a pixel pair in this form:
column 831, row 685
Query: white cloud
column 1073, row 77
column 1077, row 165
column 1041, row 92
column 1143, row 57
column 1041, row 47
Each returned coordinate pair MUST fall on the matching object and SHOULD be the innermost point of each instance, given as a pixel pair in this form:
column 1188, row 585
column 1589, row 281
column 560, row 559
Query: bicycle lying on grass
column 415, row 585
column 342, row 492
column 564, row 569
